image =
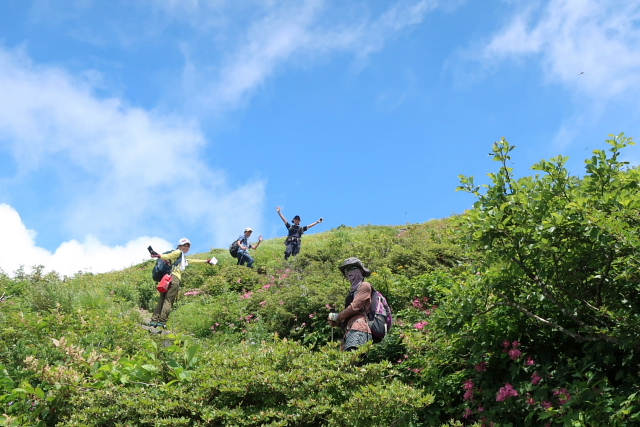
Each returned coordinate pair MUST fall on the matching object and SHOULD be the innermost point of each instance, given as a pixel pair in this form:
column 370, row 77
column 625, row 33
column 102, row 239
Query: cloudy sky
column 129, row 123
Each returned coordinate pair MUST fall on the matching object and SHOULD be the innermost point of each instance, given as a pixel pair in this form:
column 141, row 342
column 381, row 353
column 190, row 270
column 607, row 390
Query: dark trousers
column 293, row 248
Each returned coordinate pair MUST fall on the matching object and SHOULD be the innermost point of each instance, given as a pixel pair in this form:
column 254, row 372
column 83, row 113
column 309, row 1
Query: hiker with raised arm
column 294, row 236
column 244, row 246
column 357, row 303
column 177, row 261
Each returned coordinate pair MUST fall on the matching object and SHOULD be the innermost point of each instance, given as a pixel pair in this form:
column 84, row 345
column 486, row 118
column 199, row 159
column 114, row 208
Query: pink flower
column 546, row 404
column 563, row 395
column 467, row 413
column 515, row 344
column 247, row 295
column 506, row 392
column 514, row 354
column 416, row 303
column 265, row 287
column 263, row 303
column 304, row 324
column 311, row 316
column 480, row 409
column 421, row 324
column 481, row 367
column 281, row 302
column 530, row 400
column 468, row 387
column 506, row 344
column 535, row 378
column 529, row 361
column 328, row 306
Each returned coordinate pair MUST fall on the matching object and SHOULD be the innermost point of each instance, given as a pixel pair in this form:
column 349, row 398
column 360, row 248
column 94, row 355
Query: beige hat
column 248, row 229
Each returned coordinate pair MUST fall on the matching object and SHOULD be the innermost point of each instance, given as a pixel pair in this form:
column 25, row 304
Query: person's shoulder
column 366, row 286
column 286, row 224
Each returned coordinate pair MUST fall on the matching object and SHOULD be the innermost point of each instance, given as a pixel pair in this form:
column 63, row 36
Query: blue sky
column 124, row 124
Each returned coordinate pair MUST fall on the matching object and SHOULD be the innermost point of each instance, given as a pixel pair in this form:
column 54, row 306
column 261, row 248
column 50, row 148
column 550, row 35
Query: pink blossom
column 535, row 378
column 506, row 392
column 421, row 324
column 247, row 295
column 467, row 413
column 468, row 387
column 529, row 361
column 304, row 324
column 281, row 302
column 328, row 306
column 416, row 303
column 530, row 400
column 514, row 354
column 265, row 287
column 563, row 395
column 311, row 316
column 416, row 370
column 506, row 344
column 263, row 303
column 515, row 344
column 481, row 367
column 239, row 280
column 546, row 404
column 480, row 409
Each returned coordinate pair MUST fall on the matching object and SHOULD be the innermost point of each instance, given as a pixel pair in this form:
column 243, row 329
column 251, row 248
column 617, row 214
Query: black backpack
column 163, row 267
column 233, row 249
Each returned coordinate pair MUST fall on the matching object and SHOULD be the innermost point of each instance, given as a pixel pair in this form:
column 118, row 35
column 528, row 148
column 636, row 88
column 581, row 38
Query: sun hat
column 184, row 241
column 248, row 229
column 354, row 261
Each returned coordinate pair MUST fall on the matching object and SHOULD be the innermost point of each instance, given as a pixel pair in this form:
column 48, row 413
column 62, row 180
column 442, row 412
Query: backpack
column 233, row 249
column 379, row 316
column 163, row 267
column 380, row 320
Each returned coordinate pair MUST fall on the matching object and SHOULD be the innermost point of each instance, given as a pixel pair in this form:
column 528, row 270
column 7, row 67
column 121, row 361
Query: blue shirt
column 244, row 241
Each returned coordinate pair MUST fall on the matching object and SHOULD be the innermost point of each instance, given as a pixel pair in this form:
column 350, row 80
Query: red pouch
column 164, row 284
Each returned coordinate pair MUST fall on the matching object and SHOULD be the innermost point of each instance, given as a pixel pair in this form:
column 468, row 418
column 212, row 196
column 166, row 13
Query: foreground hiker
column 357, row 304
column 294, row 238
column 179, row 262
column 244, row 246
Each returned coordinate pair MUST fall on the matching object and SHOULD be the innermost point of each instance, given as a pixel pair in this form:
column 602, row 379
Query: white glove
column 333, row 317
column 212, row 261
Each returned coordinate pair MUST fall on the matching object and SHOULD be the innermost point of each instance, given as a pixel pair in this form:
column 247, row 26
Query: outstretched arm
column 315, row 223
column 281, row 216
column 257, row 244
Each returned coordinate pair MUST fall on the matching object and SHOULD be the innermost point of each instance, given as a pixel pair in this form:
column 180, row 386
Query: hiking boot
column 161, row 325
column 153, row 324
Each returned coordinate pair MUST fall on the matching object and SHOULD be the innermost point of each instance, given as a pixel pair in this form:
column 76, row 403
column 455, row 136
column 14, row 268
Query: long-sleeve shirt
column 172, row 257
column 355, row 314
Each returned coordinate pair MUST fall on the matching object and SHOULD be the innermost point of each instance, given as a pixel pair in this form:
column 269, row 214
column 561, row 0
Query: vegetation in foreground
column 521, row 311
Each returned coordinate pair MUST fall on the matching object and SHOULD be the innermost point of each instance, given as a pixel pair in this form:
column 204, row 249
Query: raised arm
column 315, row 223
column 258, row 244
column 281, row 216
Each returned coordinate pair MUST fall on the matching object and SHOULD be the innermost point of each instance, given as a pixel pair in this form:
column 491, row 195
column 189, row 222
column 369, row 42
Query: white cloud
column 117, row 169
column 70, row 257
column 599, row 39
column 294, row 31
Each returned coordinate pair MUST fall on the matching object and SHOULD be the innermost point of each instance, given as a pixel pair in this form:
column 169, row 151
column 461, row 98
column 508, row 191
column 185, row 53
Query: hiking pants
column 243, row 256
column 293, row 248
column 165, row 303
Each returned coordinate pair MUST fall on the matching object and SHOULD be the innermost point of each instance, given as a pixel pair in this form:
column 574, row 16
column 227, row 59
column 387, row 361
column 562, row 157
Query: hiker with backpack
column 367, row 315
column 174, row 262
column 243, row 246
column 294, row 236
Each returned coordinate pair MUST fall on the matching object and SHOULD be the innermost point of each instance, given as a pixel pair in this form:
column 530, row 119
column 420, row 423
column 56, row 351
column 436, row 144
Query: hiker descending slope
column 357, row 304
column 244, row 246
column 178, row 263
column 294, row 237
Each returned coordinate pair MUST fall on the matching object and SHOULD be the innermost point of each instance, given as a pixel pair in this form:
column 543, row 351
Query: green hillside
column 521, row 311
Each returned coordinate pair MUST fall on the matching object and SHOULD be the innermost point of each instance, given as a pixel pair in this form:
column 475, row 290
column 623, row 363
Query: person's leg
column 249, row 260
column 241, row 257
column 170, row 297
column 158, row 309
column 295, row 250
column 288, row 251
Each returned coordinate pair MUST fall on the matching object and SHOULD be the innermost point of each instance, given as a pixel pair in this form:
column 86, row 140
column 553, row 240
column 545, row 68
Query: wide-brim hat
column 355, row 261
